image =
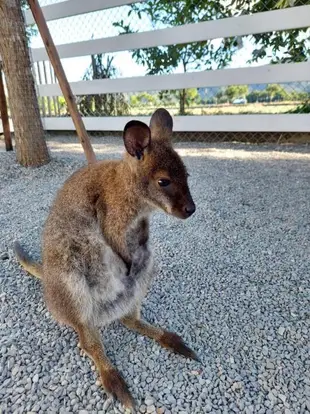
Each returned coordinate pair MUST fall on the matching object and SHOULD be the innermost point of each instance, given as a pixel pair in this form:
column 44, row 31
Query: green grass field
column 223, row 109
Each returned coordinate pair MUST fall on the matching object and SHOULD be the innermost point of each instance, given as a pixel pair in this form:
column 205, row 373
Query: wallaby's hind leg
column 165, row 338
column 111, row 379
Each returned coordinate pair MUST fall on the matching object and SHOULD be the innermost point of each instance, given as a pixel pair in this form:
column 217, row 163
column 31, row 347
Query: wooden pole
column 39, row 80
column 4, row 116
column 63, row 82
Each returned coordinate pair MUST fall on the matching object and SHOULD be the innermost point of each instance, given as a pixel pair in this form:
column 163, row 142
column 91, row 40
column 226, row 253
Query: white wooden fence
column 295, row 17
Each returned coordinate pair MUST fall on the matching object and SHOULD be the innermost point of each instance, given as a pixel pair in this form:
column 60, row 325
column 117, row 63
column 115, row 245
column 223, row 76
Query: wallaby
column 97, row 265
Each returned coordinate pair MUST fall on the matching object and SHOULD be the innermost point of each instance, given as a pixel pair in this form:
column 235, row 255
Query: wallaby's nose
column 190, row 209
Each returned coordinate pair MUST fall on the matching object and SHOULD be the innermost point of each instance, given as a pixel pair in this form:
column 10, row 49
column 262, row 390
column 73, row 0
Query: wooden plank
column 39, row 82
column 289, row 72
column 10, row 124
column 212, row 123
column 4, row 116
column 73, row 8
column 275, row 20
column 46, row 82
column 55, row 98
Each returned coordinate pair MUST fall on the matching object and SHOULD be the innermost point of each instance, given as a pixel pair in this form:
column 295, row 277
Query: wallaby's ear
column 136, row 136
column 161, row 124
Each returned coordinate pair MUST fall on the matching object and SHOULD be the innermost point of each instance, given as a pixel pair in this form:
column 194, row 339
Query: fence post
column 4, row 115
column 62, row 79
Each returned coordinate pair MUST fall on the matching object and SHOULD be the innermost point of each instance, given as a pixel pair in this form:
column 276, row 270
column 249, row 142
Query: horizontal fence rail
column 296, row 17
column 263, row 22
column 71, row 8
column 288, row 72
column 220, row 123
column 212, row 123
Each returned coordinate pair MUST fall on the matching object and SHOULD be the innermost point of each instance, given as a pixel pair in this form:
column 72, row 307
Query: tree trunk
column 182, row 98
column 31, row 148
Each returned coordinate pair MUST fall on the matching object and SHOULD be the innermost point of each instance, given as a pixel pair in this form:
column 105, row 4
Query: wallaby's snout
column 189, row 209
column 183, row 207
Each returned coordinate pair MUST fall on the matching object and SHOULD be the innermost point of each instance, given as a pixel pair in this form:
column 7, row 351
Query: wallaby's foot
column 115, row 385
column 176, row 344
column 110, row 378
column 166, row 339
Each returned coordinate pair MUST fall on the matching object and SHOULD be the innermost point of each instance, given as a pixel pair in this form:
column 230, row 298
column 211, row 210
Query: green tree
column 193, row 56
column 263, row 96
column 221, row 96
column 300, row 96
column 143, row 98
column 31, row 30
column 192, row 97
column 102, row 67
column 168, row 98
column 276, row 92
column 253, row 96
column 280, row 47
column 236, row 91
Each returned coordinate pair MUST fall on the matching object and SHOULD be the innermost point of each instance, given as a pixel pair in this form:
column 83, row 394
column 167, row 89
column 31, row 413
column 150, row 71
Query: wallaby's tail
column 32, row 267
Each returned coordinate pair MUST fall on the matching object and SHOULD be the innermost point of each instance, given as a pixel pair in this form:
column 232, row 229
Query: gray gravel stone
column 232, row 280
column 282, row 397
column 171, row 399
column 208, row 407
column 4, row 256
column 149, row 401
column 15, row 370
column 270, row 365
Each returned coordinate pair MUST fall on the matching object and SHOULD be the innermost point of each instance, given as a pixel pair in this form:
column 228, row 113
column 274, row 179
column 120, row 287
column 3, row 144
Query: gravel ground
column 233, row 280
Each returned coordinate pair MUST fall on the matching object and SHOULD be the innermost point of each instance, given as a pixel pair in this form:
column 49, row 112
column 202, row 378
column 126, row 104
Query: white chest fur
column 114, row 291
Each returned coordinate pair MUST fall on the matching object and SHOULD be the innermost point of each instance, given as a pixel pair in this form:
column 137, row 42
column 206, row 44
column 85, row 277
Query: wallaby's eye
column 164, row 182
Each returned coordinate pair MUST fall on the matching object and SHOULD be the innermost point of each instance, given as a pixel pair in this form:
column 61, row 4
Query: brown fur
column 35, row 269
column 176, row 344
column 97, row 264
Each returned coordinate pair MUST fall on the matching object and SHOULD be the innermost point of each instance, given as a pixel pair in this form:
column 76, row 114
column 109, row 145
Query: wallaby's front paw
column 140, row 259
column 115, row 386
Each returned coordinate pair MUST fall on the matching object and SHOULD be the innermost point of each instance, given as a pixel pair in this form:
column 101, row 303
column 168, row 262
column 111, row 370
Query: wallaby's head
column 159, row 172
